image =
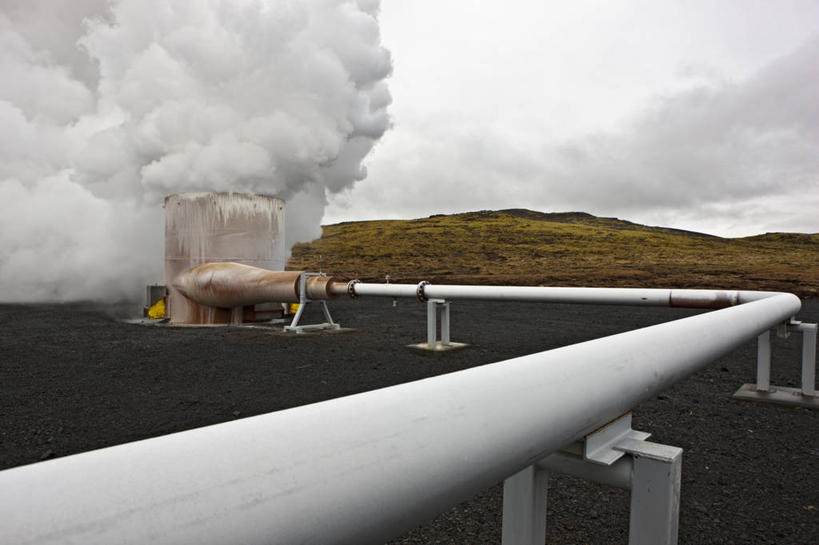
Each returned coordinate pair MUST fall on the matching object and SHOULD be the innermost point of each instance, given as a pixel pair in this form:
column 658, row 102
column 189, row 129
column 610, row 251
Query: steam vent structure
column 219, row 227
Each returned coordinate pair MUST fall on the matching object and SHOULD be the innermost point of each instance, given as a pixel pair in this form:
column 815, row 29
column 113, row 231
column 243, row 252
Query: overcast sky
column 700, row 115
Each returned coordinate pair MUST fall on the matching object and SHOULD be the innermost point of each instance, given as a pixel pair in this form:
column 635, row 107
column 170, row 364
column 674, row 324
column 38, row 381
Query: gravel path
column 77, row 377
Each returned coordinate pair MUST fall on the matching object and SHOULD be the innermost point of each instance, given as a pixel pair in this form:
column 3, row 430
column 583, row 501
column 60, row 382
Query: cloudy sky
column 700, row 115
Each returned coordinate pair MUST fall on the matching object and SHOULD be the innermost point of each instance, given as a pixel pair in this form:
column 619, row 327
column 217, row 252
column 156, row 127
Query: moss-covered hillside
column 563, row 249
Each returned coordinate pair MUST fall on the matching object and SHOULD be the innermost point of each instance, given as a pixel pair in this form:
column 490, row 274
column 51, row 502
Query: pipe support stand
column 304, row 300
column 436, row 308
column 651, row 471
column 808, row 360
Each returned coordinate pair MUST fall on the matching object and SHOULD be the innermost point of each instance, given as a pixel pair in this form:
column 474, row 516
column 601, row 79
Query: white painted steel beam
column 654, row 516
column 432, row 323
column 524, row 507
column 363, row 468
column 763, row 362
column 808, row 358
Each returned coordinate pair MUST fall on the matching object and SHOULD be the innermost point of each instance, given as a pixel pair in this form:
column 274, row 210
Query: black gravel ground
column 76, row 377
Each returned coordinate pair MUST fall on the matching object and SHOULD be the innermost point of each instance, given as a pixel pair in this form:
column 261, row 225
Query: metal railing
column 364, row 468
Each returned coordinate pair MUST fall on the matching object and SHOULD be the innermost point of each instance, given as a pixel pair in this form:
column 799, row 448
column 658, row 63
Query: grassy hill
column 561, row 249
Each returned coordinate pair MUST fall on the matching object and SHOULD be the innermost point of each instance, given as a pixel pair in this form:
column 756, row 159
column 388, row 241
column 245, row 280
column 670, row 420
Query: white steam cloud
column 106, row 107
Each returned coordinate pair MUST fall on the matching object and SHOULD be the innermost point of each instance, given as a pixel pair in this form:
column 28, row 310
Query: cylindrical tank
column 210, row 227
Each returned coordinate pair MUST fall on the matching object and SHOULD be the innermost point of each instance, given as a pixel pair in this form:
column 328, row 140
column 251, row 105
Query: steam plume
column 105, row 107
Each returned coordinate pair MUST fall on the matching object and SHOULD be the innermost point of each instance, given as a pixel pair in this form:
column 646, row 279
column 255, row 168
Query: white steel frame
column 763, row 391
column 614, row 455
column 436, row 308
column 303, row 302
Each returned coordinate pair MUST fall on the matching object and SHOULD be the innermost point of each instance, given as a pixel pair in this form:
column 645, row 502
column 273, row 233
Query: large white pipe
column 363, row 468
column 706, row 299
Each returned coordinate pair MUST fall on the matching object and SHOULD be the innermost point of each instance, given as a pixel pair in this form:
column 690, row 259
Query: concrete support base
column 792, row 397
column 437, row 347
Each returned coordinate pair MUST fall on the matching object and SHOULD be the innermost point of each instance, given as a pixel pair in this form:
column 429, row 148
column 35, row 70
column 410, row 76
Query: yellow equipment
column 157, row 311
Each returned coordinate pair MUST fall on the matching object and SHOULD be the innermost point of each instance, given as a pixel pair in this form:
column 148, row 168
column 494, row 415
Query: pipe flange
column 419, row 291
column 351, row 288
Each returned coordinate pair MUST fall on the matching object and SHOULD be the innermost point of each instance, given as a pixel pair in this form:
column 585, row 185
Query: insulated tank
column 210, row 227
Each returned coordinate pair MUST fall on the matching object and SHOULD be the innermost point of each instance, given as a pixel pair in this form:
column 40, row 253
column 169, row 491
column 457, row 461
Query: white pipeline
column 706, row 299
column 363, row 468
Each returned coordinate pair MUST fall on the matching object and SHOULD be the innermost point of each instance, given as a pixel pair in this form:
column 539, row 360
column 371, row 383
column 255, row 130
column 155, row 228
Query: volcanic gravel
column 76, row 377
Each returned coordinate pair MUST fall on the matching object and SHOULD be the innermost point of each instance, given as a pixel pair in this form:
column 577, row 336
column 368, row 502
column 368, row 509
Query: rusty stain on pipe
column 705, row 299
column 325, row 287
column 337, row 289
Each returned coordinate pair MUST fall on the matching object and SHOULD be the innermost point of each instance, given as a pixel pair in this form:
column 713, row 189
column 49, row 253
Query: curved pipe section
column 363, row 468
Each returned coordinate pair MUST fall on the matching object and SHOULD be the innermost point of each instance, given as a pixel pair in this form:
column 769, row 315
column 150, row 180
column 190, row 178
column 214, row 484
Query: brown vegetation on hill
column 524, row 247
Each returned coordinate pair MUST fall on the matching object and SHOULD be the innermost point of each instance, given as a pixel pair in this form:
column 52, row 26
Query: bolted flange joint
column 419, row 291
column 351, row 288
